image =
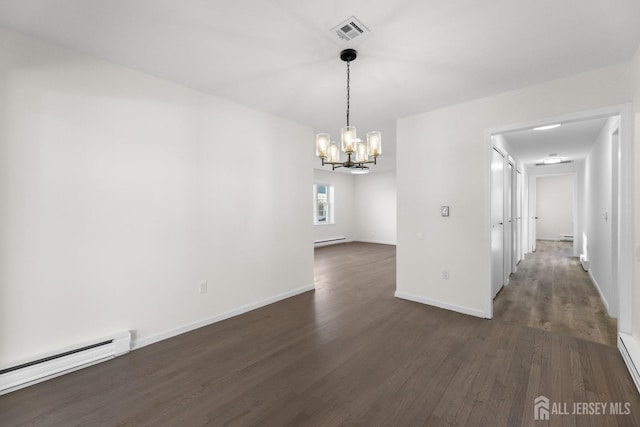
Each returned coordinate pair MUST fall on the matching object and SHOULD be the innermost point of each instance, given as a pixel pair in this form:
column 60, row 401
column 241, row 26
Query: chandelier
column 358, row 153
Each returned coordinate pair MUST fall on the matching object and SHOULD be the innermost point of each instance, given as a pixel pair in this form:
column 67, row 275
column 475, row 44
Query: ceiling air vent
column 350, row 29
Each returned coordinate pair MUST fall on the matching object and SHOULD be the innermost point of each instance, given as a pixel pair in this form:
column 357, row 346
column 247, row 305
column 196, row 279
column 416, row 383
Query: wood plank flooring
column 552, row 292
column 348, row 353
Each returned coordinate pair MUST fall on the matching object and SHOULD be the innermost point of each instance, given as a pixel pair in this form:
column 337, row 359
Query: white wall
column 636, row 195
column 121, row 192
column 365, row 207
column 441, row 160
column 597, row 197
column 344, row 214
column 375, row 206
column 554, row 206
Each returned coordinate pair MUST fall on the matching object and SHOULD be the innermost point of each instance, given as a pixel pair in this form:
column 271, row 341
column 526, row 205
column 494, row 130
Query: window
column 323, row 204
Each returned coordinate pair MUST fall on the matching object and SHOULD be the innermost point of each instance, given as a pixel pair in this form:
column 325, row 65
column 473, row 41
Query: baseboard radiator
column 330, row 241
column 584, row 262
column 67, row 360
column 630, row 352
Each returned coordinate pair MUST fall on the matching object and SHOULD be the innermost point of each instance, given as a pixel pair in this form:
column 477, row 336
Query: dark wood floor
column 347, row 354
column 552, row 292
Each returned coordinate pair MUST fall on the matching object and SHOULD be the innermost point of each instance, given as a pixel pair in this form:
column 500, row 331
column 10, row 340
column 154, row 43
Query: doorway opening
column 553, row 199
column 599, row 227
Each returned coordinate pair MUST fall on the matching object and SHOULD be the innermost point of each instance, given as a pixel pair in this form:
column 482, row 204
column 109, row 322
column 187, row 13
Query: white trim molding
column 630, row 351
column 595, row 283
column 145, row 341
column 457, row 308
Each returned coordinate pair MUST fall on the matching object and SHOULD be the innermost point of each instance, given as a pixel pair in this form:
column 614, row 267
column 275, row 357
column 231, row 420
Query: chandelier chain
column 348, row 91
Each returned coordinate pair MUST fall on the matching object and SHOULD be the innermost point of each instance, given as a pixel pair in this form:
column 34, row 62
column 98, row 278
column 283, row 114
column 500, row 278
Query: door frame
column 533, row 197
column 519, row 195
column 625, row 243
column 532, row 203
column 615, row 215
column 508, row 218
column 501, row 224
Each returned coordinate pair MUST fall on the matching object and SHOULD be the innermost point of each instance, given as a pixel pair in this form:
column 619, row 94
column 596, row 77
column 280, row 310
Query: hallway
column 552, row 292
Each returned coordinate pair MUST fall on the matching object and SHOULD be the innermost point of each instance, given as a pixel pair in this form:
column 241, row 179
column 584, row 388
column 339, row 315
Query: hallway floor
column 552, row 292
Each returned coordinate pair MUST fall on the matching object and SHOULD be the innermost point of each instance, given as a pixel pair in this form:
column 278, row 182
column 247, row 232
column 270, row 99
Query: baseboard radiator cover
column 332, row 241
column 630, row 351
column 67, row 360
column 584, row 262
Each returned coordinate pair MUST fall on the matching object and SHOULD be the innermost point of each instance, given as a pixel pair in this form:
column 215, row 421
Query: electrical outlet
column 202, row 288
column 445, row 274
column 420, row 235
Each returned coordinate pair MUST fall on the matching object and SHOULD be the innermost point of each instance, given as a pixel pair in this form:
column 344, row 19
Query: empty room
column 295, row 213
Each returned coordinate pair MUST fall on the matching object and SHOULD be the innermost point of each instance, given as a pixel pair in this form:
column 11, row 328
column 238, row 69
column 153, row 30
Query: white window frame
column 330, row 205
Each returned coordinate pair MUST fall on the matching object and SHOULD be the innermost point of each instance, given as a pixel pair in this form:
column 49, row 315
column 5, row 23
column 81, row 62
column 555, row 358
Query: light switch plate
column 444, row 210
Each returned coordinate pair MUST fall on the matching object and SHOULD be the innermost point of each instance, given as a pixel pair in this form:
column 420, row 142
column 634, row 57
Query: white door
column 497, row 221
column 508, row 223
column 532, row 214
column 518, row 249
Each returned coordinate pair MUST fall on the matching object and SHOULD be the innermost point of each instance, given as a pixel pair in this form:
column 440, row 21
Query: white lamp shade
column 349, row 139
column 552, row 160
column 361, row 152
column 374, row 143
column 322, row 144
column 360, row 171
column 334, row 153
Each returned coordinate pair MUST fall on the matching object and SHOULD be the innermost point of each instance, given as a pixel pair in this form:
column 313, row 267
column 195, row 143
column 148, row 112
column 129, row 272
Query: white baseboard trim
column 630, row 351
column 604, row 300
column 145, row 341
column 440, row 304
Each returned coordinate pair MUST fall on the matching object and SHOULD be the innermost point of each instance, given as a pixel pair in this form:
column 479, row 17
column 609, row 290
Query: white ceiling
column 571, row 141
column 279, row 56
